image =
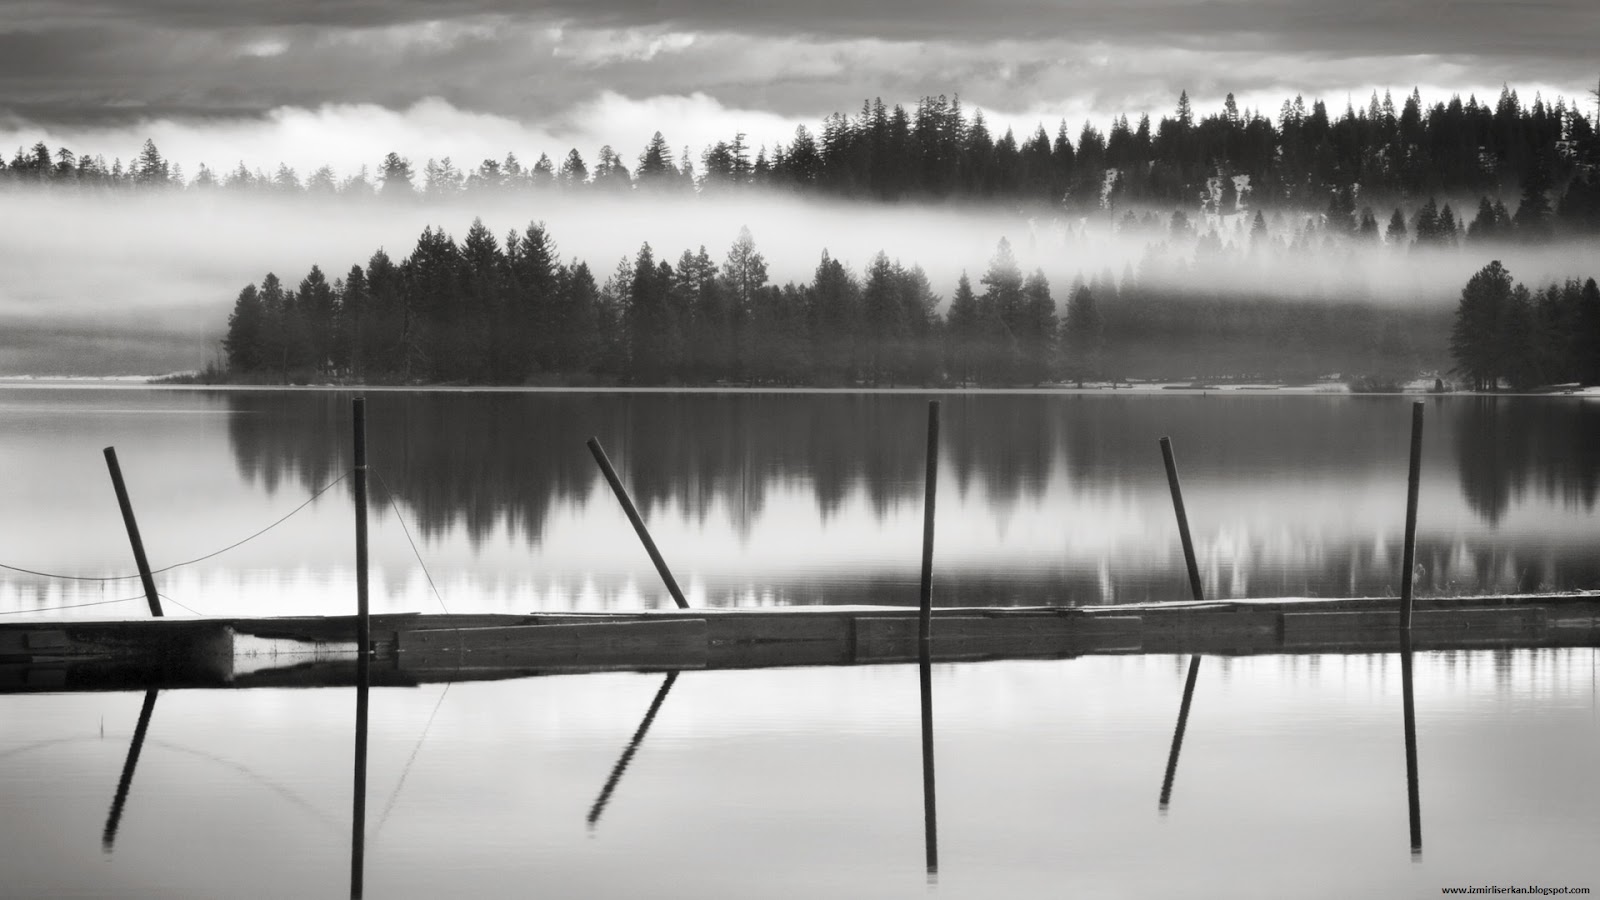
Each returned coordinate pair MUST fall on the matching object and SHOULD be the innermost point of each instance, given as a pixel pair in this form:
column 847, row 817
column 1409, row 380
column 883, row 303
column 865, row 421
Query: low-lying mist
column 143, row 283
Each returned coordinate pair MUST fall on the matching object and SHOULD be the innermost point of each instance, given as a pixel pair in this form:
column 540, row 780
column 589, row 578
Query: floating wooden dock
column 410, row 649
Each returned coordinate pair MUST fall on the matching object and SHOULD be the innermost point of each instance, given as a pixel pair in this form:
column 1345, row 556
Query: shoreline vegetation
column 485, row 313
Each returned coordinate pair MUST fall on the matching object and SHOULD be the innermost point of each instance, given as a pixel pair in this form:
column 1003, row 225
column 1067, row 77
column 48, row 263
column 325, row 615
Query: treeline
column 1383, row 153
column 1505, row 333
column 487, row 311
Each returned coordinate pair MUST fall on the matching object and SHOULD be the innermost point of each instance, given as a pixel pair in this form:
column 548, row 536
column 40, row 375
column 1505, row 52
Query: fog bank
column 143, row 283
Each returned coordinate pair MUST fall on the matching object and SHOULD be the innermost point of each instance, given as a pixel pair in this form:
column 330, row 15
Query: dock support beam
column 638, row 522
column 930, row 493
column 1413, row 481
column 133, row 533
column 358, row 407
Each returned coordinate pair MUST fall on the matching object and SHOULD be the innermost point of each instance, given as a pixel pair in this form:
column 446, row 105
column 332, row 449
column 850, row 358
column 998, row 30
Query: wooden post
column 114, row 817
column 358, row 407
column 1413, row 481
column 638, row 522
column 1183, row 520
column 930, row 493
column 133, row 533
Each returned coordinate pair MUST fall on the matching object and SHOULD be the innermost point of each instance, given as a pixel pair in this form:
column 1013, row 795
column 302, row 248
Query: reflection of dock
column 412, row 649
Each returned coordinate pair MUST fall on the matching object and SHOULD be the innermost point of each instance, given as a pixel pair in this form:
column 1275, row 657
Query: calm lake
column 806, row 782
column 778, row 498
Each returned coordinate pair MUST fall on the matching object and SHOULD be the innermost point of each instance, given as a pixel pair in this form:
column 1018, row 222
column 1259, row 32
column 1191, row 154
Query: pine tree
column 394, row 177
column 1475, row 340
column 246, row 340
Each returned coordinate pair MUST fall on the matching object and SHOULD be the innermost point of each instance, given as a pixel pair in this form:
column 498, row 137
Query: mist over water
column 143, row 283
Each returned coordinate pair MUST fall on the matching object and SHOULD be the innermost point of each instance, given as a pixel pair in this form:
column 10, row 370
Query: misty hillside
column 1382, row 153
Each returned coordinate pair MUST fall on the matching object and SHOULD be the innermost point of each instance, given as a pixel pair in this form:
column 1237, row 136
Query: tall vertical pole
column 610, row 473
column 358, row 406
column 1183, row 519
column 133, row 533
column 1413, row 481
column 930, row 493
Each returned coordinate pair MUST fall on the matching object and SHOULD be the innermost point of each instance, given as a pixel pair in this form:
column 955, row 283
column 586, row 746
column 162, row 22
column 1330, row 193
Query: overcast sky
column 342, row 81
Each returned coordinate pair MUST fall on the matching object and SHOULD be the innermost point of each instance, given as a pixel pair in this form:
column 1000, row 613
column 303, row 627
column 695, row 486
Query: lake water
column 782, row 498
column 1291, row 782
column 809, row 782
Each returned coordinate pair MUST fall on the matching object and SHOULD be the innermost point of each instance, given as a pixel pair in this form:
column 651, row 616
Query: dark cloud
column 85, row 61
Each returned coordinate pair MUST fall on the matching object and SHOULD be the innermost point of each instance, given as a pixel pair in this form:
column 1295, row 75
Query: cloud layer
column 564, row 68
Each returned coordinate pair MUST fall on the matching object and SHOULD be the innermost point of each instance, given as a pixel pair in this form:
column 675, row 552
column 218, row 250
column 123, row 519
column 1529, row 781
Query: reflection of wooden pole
column 358, row 801
column 632, row 748
column 930, row 807
column 930, row 493
column 1413, row 801
column 1413, row 481
column 1183, row 519
column 1177, row 733
column 358, row 408
column 133, row 532
column 638, row 522
column 114, row 818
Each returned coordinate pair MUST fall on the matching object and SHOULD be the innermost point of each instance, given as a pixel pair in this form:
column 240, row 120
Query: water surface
column 778, row 498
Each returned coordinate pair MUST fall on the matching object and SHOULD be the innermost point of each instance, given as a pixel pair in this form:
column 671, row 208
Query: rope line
column 389, row 494
column 325, row 488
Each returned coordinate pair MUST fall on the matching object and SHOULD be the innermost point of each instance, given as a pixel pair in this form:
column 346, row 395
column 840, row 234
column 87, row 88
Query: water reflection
column 1505, row 446
column 621, row 766
column 1177, row 732
column 1291, row 494
column 1413, row 801
column 358, row 793
column 108, row 838
column 930, row 805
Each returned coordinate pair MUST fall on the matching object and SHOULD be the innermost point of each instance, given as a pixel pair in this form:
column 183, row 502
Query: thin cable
column 180, row 605
column 324, row 490
column 319, row 493
column 23, row 612
column 389, row 807
column 387, row 492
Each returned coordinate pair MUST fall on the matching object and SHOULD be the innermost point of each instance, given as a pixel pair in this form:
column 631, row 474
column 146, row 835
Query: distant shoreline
column 133, row 382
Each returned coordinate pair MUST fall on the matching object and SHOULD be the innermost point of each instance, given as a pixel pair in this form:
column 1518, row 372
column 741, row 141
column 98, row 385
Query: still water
column 780, row 498
column 1291, row 782
column 1292, row 779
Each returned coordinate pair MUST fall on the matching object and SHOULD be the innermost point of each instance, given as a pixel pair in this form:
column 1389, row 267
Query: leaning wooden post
column 930, row 492
column 358, row 406
column 1183, row 520
column 638, row 522
column 1199, row 595
column 1414, row 479
column 133, row 533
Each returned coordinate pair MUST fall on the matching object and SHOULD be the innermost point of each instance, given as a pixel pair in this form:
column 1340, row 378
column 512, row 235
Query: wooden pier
column 410, row 649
